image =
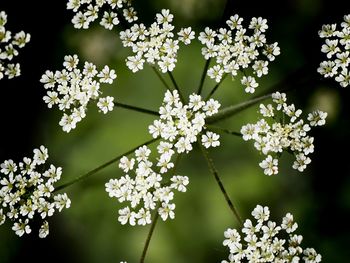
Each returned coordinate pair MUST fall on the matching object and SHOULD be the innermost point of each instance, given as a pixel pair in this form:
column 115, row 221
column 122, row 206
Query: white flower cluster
column 87, row 11
column 233, row 50
column 180, row 124
column 71, row 89
column 27, row 194
column 156, row 44
column 146, row 191
column 8, row 48
column 337, row 49
column 266, row 241
column 285, row 132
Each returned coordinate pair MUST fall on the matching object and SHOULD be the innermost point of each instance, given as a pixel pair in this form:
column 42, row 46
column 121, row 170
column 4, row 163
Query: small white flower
column 317, row 118
column 269, row 165
column 250, row 84
column 21, row 227
column 186, row 35
column 44, row 230
column 210, row 139
column 167, row 210
column 107, row 75
column 266, row 241
column 106, row 104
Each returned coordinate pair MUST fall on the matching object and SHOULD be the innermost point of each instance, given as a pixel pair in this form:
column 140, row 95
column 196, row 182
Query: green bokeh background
column 89, row 231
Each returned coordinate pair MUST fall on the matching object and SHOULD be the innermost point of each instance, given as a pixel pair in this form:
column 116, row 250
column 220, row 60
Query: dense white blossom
column 87, row 11
column 282, row 129
column 157, row 44
column 233, row 50
column 27, row 192
column 265, row 241
column 180, row 124
column 337, row 49
column 144, row 188
column 71, row 90
column 9, row 45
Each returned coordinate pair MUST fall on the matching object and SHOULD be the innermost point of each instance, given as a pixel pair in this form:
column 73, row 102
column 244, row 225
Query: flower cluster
column 8, row 48
column 285, row 132
column 71, row 89
column 180, row 124
column 156, row 44
column 146, row 191
column 265, row 241
column 87, row 11
column 233, row 50
column 27, row 194
column 337, row 50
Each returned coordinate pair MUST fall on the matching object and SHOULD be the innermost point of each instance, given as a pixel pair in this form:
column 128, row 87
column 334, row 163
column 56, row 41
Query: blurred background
column 89, row 232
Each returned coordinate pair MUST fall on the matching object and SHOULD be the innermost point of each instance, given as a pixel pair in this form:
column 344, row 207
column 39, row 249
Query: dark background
column 320, row 198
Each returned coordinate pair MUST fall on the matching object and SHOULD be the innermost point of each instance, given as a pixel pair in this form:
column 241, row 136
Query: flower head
column 233, row 50
column 156, row 44
column 280, row 130
column 145, row 191
column 266, row 241
column 180, row 124
column 9, row 45
column 337, row 50
column 88, row 11
column 27, row 191
column 71, row 90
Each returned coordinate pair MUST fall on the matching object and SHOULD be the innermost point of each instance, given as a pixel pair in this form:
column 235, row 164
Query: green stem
column 175, row 85
column 219, row 129
column 234, row 109
column 84, row 176
column 149, row 236
column 134, row 108
column 161, row 78
column 216, row 87
column 206, row 66
column 220, row 184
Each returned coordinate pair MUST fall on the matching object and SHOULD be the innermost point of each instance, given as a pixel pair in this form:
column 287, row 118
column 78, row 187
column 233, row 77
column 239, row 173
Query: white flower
column 186, row 35
column 336, row 47
column 87, row 12
column 30, row 193
column 105, row 104
column 167, row 210
column 210, row 139
column 269, row 165
column 72, row 89
column 290, row 134
column 317, row 118
column 288, row 223
column 21, row 227
column 250, row 84
column 9, row 44
column 301, row 162
column 266, row 241
column 155, row 44
column 107, row 75
column 232, row 49
column 44, row 230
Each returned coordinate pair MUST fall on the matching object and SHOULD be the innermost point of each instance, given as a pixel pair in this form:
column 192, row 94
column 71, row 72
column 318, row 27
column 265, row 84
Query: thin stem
column 219, row 182
column 175, row 85
column 219, row 129
column 149, row 237
column 84, row 176
column 206, row 66
column 161, row 78
column 216, row 87
column 134, row 108
column 234, row 109
column 298, row 78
